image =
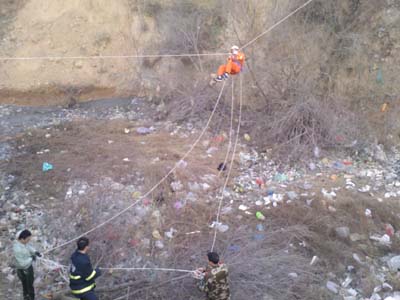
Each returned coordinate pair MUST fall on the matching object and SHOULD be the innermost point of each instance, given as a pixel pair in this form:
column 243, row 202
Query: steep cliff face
column 71, row 28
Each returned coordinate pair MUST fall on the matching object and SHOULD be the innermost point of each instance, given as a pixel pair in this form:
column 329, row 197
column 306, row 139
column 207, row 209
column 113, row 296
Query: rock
column 78, row 64
column 292, row 195
column 333, row 287
column 343, row 232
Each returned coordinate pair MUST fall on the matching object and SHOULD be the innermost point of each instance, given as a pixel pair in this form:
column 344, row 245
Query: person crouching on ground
column 214, row 280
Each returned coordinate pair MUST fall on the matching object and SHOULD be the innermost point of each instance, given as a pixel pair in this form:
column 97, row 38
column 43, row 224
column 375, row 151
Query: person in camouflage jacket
column 214, row 281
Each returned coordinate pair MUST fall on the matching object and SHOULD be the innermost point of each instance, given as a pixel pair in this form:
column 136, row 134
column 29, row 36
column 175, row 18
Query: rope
column 230, row 136
column 9, row 58
column 53, row 265
column 154, row 187
column 232, row 159
column 276, row 24
column 149, row 269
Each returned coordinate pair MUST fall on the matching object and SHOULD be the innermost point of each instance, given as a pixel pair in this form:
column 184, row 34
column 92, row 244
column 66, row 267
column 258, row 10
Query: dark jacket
column 82, row 275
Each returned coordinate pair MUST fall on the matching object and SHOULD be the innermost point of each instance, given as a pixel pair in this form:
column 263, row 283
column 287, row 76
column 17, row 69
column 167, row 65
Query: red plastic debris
column 259, row 182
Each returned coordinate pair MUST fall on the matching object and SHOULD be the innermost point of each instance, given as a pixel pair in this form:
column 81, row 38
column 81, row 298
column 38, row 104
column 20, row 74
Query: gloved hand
column 38, row 254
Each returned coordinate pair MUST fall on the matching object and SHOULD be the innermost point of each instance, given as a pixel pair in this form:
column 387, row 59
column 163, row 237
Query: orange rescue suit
column 234, row 65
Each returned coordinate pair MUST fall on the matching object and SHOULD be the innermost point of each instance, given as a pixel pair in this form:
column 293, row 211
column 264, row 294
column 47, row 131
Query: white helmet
column 234, row 48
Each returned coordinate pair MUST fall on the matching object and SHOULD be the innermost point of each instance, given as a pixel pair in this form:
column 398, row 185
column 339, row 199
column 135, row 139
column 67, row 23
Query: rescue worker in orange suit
column 234, row 66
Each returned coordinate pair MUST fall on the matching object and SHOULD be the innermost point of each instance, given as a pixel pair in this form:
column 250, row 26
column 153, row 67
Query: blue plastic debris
column 259, row 236
column 260, row 227
column 234, row 248
column 270, row 192
column 379, row 76
column 47, row 167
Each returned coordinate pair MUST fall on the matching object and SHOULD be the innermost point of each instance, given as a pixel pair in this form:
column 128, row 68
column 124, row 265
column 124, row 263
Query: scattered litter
column 260, row 216
column 220, row 227
column 368, row 213
column 383, row 240
column 260, row 227
column 136, row 195
column 194, row 186
column 47, row 167
column 357, row 259
column 247, row 137
column 259, row 236
column 126, row 159
column 156, row 234
column 205, row 186
column 144, row 130
column 347, row 282
column 292, row 195
column 314, row 260
column 182, row 164
column 328, row 195
column 221, row 167
column 212, row 150
column 179, row 205
column 243, row 207
column 234, row 248
column 127, row 130
column 293, row 275
column 238, row 189
column 159, row 244
column 333, row 287
column 170, row 234
column 365, row 189
column 280, row 177
column 259, row 182
column 176, row 186
column 193, row 232
column 317, row 152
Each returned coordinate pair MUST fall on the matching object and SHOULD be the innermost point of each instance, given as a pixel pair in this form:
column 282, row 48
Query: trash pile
column 147, row 234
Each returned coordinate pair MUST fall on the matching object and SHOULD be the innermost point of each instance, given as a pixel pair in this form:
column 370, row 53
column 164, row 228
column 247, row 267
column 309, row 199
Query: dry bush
column 299, row 127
